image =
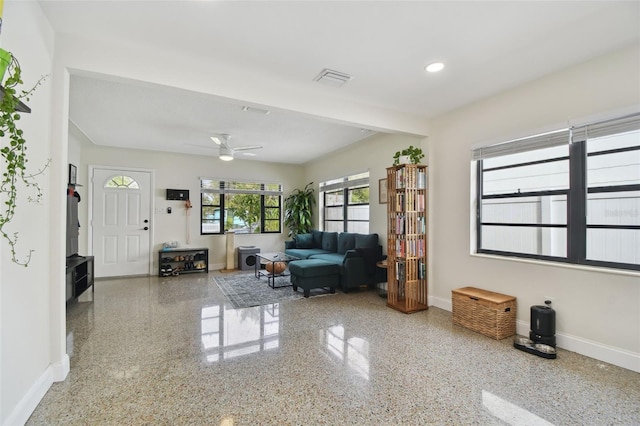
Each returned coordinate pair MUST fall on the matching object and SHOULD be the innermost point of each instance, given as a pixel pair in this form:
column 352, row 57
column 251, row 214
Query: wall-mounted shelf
column 21, row 107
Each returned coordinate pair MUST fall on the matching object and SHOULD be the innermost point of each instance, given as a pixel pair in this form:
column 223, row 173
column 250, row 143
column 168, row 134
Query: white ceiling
column 487, row 46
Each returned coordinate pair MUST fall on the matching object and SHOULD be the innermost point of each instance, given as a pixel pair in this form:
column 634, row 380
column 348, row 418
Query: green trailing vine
column 14, row 156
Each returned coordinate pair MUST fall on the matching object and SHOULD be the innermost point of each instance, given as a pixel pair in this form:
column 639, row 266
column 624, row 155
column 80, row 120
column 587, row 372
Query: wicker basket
column 488, row 313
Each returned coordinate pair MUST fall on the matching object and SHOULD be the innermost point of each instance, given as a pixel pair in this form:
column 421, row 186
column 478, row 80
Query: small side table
column 382, row 286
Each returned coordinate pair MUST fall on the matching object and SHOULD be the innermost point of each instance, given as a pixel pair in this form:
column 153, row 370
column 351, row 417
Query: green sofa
column 355, row 254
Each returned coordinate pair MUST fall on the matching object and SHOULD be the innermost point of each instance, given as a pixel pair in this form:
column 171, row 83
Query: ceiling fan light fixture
column 226, row 154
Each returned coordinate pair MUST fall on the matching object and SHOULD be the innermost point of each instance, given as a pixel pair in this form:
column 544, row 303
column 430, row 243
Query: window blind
column 239, row 187
column 346, row 183
column 605, row 128
column 546, row 140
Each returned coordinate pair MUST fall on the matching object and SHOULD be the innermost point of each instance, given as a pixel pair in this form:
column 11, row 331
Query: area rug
column 245, row 290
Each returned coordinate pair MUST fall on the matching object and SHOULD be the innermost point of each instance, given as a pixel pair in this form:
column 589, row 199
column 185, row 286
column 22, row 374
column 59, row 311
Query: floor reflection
column 229, row 333
column 352, row 352
column 510, row 413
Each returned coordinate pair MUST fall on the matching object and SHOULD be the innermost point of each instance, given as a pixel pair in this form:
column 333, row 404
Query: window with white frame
column 345, row 204
column 244, row 207
column 569, row 196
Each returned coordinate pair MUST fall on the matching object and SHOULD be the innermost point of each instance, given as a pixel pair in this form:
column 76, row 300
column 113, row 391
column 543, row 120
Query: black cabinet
column 79, row 276
column 182, row 261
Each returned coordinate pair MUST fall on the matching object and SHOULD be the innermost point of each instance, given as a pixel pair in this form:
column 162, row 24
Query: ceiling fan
column 227, row 152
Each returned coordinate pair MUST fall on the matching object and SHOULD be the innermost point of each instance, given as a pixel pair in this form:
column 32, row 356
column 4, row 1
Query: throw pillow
column 330, row 241
column 366, row 240
column 346, row 241
column 304, row 241
column 317, row 238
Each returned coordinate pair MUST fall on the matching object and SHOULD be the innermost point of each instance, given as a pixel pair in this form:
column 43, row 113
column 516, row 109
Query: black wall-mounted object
column 178, row 194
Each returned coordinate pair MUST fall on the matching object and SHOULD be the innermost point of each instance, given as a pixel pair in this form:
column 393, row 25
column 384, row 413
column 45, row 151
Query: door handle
column 146, row 228
column 146, row 221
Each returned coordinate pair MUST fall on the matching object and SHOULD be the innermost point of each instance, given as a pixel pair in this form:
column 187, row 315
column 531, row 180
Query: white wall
column 27, row 360
column 373, row 154
column 181, row 171
column 598, row 312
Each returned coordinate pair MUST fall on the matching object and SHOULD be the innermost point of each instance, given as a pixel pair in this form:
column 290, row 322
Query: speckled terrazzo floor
column 172, row 351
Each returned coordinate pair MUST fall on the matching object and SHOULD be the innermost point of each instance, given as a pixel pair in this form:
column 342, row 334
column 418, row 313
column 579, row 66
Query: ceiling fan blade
column 220, row 139
column 247, row 148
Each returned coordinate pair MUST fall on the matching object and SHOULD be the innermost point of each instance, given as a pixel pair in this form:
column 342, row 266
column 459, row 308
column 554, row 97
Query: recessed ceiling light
column 434, row 67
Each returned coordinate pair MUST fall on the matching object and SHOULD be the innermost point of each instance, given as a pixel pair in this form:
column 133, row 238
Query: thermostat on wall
column 177, row 194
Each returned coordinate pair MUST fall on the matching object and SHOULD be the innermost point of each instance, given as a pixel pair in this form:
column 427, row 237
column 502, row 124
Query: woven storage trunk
column 489, row 313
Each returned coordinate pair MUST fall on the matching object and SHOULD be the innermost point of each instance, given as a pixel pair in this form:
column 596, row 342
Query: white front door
column 121, row 223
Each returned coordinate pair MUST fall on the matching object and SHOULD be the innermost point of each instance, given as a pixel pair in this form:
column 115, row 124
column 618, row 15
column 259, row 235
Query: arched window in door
column 122, row 182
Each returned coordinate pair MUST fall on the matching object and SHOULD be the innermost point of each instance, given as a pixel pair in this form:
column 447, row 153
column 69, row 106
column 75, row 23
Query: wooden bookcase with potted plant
column 407, row 237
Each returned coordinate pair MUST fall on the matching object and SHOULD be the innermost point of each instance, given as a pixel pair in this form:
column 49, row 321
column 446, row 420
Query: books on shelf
column 410, row 201
column 401, row 271
column 411, row 178
column 421, row 181
column 414, row 247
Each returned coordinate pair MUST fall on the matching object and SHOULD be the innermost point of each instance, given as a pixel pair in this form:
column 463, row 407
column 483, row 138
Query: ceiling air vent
column 255, row 110
column 332, row 78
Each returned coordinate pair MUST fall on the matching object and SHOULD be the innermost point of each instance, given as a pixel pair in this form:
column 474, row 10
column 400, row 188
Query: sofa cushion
column 346, row 241
column 371, row 255
column 313, row 268
column 304, row 253
column 366, row 240
column 330, row 241
column 317, row 238
column 304, row 241
column 329, row 257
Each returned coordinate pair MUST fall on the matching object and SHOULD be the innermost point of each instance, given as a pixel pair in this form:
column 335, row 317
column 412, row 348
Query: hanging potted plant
column 408, row 155
column 14, row 148
column 299, row 210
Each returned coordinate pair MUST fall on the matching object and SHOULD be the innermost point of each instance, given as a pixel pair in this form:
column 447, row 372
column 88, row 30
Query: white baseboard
column 61, row 369
column 217, row 266
column 440, row 302
column 595, row 350
column 31, row 399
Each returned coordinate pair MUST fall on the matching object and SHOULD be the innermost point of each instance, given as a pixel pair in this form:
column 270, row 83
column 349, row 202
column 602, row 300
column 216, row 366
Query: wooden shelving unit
column 407, row 210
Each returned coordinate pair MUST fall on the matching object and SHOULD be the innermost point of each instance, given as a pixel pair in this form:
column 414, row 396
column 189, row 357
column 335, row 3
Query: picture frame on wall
column 73, row 174
column 382, row 191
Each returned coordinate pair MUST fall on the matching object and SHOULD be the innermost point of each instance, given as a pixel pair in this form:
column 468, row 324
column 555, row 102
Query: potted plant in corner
column 299, row 210
column 411, row 154
column 13, row 148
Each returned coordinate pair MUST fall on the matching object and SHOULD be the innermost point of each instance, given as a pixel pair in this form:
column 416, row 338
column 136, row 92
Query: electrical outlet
column 159, row 210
